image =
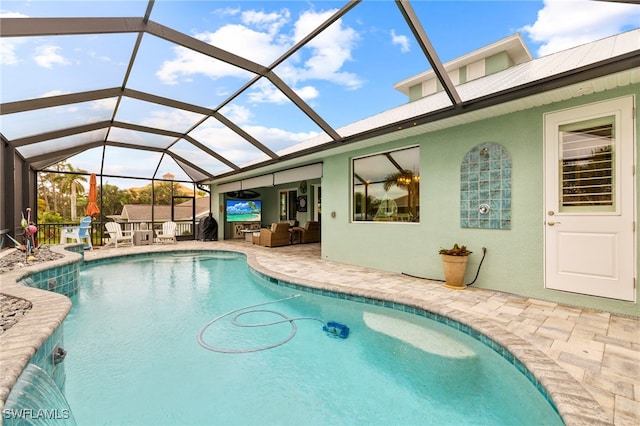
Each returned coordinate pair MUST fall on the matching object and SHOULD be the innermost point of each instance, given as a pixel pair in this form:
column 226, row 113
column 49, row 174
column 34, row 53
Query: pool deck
column 587, row 360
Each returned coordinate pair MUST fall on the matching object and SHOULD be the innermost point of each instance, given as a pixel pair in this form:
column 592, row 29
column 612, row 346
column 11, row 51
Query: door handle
column 553, row 223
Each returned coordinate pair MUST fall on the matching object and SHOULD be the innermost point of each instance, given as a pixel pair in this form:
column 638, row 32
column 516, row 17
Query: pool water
column 133, row 356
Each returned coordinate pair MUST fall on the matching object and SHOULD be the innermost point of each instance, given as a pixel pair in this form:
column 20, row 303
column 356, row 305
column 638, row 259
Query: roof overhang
column 608, row 74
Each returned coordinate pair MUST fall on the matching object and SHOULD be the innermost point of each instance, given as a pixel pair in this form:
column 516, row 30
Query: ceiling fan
column 243, row 194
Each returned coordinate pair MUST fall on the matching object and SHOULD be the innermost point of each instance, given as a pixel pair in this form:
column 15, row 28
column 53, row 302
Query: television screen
column 244, row 210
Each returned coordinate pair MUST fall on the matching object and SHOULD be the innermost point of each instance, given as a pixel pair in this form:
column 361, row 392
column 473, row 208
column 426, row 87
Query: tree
column 49, row 187
column 73, row 183
column 163, row 192
column 61, row 194
column 408, row 181
column 112, row 200
column 365, row 207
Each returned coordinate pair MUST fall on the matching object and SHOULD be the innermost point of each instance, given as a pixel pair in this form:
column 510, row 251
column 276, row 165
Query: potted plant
column 454, row 262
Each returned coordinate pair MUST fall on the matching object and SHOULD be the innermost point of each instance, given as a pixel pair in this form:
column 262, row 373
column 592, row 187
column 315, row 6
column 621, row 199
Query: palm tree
column 409, row 181
column 49, row 187
column 72, row 181
column 46, row 191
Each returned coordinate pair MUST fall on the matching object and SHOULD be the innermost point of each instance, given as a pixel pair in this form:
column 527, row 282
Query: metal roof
column 204, row 143
column 513, row 45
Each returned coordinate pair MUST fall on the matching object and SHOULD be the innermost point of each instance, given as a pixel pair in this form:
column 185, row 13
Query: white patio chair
column 117, row 236
column 167, row 233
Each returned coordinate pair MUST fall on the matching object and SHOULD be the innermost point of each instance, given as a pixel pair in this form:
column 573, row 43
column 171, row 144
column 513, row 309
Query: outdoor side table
column 143, row 238
column 248, row 234
column 295, row 235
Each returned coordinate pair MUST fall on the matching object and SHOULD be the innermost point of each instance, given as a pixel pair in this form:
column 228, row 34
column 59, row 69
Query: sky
column 346, row 74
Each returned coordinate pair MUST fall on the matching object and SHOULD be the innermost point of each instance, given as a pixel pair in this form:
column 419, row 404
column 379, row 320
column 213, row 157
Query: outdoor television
column 244, row 210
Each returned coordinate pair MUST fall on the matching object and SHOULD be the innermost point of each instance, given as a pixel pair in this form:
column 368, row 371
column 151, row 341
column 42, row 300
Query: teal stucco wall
column 514, row 262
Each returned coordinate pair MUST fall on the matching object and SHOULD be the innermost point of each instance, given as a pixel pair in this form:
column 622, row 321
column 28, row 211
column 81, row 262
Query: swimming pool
column 134, row 358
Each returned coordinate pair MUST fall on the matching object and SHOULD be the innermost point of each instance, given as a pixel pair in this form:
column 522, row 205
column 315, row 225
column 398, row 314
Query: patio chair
column 276, row 236
column 167, row 233
column 310, row 233
column 117, row 236
column 78, row 234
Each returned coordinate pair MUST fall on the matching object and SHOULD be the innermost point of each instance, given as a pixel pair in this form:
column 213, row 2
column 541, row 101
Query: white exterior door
column 589, row 200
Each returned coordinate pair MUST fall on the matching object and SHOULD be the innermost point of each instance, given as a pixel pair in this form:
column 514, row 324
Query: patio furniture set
column 282, row 234
column 81, row 234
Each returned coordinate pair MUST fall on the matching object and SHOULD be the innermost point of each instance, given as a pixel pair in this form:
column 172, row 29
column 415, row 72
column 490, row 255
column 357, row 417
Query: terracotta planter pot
column 454, row 269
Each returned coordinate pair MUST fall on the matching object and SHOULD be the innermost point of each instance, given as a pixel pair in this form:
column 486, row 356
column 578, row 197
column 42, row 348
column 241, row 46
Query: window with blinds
column 587, row 172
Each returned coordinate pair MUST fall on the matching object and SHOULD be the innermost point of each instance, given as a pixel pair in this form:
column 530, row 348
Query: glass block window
column 485, row 188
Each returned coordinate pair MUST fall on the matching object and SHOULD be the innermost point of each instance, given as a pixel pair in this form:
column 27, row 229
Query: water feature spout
column 58, row 355
column 36, row 399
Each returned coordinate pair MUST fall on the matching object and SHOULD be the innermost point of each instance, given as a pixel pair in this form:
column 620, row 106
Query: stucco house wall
column 514, row 262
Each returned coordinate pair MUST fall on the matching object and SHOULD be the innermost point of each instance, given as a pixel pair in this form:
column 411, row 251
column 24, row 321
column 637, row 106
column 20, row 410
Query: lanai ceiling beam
column 69, row 131
column 64, row 153
column 132, row 146
column 176, row 135
column 146, row 129
column 49, row 161
column 253, row 141
column 34, row 27
column 58, row 100
column 148, row 97
column 310, row 112
column 300, row 44
column 394, row 162
column 339, row 14
column 207, row 49
column 211, row 153
column 178, row 159
column 204, row 111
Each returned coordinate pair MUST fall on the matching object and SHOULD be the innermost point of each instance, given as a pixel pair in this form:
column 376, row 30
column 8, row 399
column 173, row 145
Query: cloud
column 400, row 40
column 562, row 24
column 225, row 142
column 188, row 63
column 54, row 93
column 262, row 92
column 328, row 52
column 4, row 14
column 237, row 113
column 262, row 37
column 99, row 57
column 227, row 11
column 272, row 22
column 258, row 46
column 231, row 146
column 8, row 52
column 307, row 92
column 278, row 139
column 47, row 56
column 8, row 47
column 171, row 119
column 103, row 104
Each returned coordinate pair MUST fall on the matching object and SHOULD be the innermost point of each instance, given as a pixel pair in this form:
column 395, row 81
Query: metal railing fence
column 50, row 233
